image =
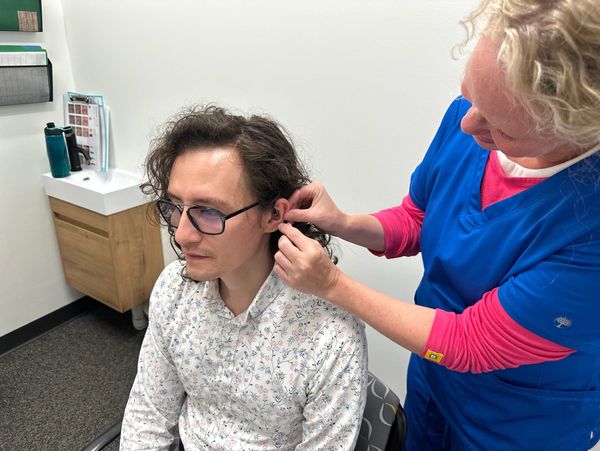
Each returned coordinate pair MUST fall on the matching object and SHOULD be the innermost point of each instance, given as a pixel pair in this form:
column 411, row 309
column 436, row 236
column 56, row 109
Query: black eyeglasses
column 209, row 221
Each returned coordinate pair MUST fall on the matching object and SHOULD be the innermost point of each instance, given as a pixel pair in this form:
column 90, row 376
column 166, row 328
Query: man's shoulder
column 329, row 317
column 170, row 288
column 170, row 278
column 335, row 337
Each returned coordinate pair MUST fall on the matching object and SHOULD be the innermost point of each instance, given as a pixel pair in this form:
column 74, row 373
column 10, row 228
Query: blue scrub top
column 541, row 247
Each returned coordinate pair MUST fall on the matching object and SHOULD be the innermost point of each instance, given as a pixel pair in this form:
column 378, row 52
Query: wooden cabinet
column 114, row 259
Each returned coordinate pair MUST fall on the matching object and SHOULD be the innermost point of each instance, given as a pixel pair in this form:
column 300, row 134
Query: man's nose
column 186, row 233
column 473, row 123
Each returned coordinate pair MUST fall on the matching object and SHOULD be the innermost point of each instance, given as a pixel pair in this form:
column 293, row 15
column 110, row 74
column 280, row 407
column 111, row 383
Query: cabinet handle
column 81, row 225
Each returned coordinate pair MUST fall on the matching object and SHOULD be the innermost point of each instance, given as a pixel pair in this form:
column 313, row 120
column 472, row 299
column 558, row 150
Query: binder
column 25, row 75
column 21, row 15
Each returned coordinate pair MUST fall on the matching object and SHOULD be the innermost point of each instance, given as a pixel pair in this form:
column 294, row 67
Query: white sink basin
column 105, row 193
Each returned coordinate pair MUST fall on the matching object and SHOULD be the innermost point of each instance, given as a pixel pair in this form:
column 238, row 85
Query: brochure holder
column 26, row 84
column 25, row 75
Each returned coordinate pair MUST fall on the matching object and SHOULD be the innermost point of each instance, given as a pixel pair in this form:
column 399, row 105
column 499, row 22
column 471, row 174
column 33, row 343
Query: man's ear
column 275, row 216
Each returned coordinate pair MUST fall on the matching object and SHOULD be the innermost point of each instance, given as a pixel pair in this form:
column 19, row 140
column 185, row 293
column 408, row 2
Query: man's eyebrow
column 204, row 201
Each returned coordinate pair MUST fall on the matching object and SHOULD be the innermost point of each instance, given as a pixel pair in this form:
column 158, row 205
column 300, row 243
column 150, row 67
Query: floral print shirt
column 289, row 373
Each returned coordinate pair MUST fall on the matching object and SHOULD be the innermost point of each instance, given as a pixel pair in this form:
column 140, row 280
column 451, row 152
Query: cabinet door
column 136, row 254
column 114, row 259
column 87, row 262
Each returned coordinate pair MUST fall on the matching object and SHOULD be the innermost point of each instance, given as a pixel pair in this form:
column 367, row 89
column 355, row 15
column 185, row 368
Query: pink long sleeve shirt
column 483, row 337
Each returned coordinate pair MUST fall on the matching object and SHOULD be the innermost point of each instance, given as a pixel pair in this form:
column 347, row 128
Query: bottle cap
column 51, row 129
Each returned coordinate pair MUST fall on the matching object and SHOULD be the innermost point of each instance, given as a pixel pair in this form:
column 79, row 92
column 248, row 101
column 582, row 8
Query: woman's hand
column 303, row 264
column 312, row 204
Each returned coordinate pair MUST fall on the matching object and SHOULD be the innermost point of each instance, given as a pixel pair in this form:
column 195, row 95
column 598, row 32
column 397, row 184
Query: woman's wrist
column 362, row 230
column 340, row 225
column 335, row 284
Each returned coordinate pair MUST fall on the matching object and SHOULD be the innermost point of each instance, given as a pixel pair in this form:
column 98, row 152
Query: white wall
column 31, row 278
column 360, row 84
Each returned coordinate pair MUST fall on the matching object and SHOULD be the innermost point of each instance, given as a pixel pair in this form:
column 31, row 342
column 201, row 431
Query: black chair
column 383, row 425
column 105, row 439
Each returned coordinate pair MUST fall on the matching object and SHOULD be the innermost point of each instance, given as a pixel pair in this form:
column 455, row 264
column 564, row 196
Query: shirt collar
column 268, row 292
column 513, row 169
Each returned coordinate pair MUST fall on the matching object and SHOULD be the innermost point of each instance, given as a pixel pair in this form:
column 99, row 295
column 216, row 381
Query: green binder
column 21, row 15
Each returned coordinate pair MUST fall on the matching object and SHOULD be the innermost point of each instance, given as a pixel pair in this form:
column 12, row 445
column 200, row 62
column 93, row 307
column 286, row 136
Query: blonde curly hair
column 550, row 50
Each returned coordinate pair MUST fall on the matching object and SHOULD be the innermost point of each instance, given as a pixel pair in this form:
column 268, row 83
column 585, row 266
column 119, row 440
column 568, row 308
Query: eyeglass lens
column 206, row 220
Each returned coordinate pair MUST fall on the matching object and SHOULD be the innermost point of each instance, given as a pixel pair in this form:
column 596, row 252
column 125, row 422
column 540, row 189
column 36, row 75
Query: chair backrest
column 383, row 425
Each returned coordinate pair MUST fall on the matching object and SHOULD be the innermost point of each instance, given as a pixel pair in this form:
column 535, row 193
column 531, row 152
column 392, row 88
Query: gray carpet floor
column 64, row 388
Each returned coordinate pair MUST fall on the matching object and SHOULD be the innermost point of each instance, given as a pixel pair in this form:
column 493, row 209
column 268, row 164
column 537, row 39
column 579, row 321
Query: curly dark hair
column 269, row 158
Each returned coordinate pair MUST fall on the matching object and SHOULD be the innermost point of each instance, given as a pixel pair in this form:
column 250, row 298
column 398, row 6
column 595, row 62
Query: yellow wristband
column 434, row 356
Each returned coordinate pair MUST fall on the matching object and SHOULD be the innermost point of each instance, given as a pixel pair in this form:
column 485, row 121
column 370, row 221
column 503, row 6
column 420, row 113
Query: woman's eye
column 504, row 135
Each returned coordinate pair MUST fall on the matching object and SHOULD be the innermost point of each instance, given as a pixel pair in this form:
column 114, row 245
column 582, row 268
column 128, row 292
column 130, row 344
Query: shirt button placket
column 227, row 354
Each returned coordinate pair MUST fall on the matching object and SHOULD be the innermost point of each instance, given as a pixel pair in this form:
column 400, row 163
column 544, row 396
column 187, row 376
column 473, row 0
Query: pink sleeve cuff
column 485, row 338
column 401, row 229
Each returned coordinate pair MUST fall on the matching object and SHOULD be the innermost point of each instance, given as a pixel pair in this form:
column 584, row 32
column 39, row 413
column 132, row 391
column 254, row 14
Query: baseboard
column 42, row 325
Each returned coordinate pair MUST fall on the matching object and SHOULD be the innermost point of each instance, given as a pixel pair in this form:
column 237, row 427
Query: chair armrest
column 105, row 438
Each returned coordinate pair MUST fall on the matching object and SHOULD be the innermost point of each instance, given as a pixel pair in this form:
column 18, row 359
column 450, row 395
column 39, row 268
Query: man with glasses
column 233, row 359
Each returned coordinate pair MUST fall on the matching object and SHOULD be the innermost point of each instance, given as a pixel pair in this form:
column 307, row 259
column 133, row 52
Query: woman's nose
column 186, row 233
column 473, row 123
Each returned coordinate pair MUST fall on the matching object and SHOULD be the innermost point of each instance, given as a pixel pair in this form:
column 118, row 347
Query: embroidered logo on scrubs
column 434, row 356
column 562, row 322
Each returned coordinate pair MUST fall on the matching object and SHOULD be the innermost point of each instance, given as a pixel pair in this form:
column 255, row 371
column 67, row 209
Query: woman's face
column 498, row 122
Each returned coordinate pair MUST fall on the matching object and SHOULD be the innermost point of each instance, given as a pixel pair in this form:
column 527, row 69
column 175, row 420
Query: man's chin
column 198, row 274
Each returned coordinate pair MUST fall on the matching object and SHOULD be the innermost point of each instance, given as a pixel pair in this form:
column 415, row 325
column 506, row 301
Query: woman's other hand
column 303, row 264
column 312, row 204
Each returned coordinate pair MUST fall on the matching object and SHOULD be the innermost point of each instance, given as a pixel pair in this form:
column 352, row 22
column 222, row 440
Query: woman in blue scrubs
column 505, row 212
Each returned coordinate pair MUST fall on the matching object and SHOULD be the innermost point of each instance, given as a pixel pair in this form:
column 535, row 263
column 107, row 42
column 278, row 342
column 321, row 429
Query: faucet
column 85, row 153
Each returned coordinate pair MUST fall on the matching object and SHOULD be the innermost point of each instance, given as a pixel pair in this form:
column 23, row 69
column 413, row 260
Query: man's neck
column 238, row 290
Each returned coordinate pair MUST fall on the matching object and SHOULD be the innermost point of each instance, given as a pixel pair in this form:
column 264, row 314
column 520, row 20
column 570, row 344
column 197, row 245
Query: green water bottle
column 57, row 151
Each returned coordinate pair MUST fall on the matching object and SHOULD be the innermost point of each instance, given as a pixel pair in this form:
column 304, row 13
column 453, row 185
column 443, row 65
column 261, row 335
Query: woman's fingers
column 283, row 255
column 304, row 204
column 295, row 239
column 303, row 197
column 302, row 263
